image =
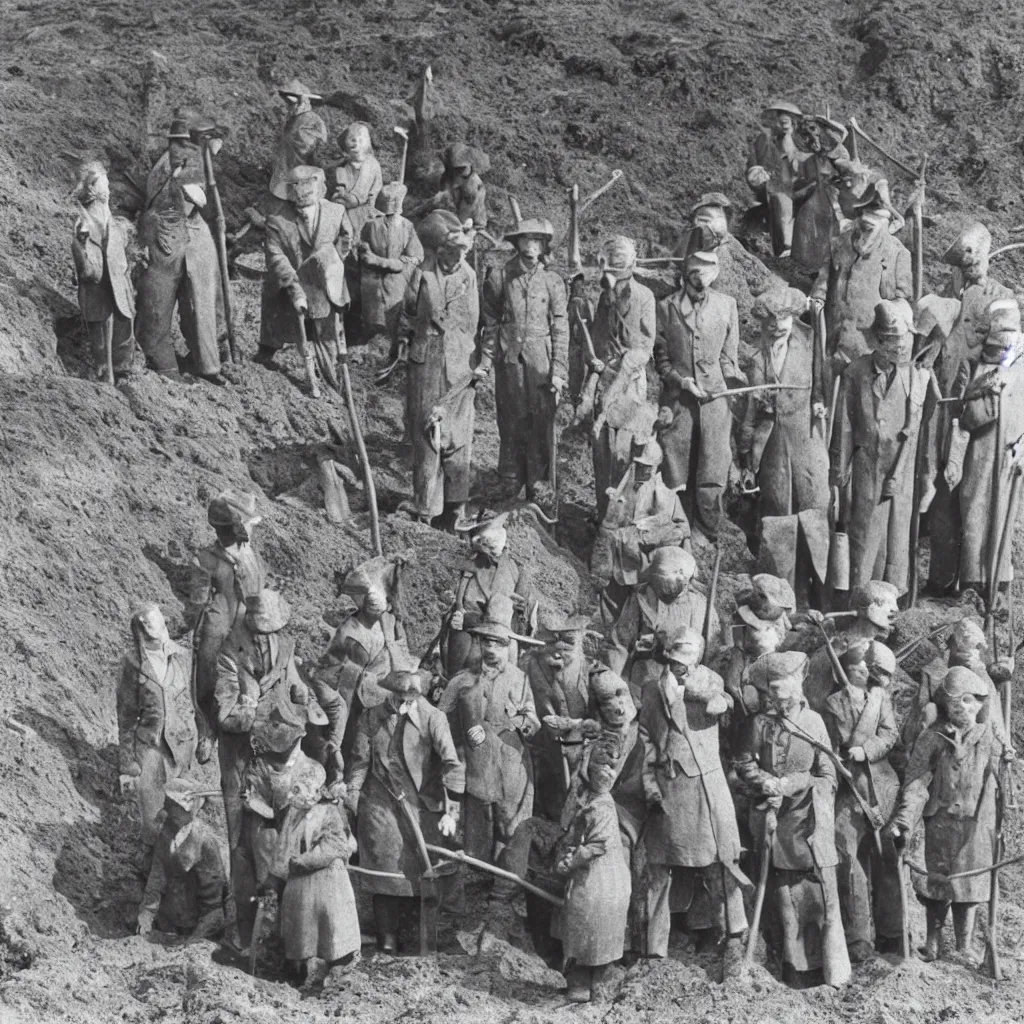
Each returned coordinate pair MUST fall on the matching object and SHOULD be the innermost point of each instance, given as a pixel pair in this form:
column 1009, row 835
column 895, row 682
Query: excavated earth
column 103, row 491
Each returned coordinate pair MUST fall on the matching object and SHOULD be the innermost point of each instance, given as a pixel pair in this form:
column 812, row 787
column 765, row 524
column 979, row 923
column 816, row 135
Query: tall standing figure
column 306, row 245
column 302, row 134
column 105, row 294
column 695, row 353
column 874, row 448
column 772, row 168
column 526, row 326
column 441, row 311
column 783, row 446
column 181, row 261
column 233, row 572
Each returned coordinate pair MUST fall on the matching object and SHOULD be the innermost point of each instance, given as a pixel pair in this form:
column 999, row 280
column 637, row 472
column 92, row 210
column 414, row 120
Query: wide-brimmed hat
column 701, row 259
column 293, row 87
column 689, row 638
column 876, row 197
column 267, row 612
column 476, row 527
column 492, row 630
column 975, row 235
column 282, row 717
column 783, row 107
column 777, row 665
column 968, row 632
column 769, row 598
column 532, row 227
column 554, row 622
column 403, row 681
column 232, row 508
column 960, row 680
column 836, row 128
column 711, row 199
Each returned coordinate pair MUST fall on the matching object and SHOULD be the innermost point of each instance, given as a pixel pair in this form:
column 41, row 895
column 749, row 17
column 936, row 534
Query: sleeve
column 558, row 321
column 823, row 767
column 410, row 302
column 648, row 324
column 600, row 827
column 747, row 768
column 336, row 710
column 87, row 255
column 359, row 767
column 493, row 308
column 280, row 271
column 329, row 844
column 527, row 708
column 702, row 686
column 156, row 883
column 127, row 717
column 343, row 242
column 624, row 634
column 880, row 745
column 453, row 771
column 833, row 727
column 652, row 791
column 820, row 288
column 412, row 254
column 747, row 428
column 662, row 363
column 903, row 276
column 236, row 711
column 994, row 714
column 980, row 412
column 728, row 360
column 920, row 771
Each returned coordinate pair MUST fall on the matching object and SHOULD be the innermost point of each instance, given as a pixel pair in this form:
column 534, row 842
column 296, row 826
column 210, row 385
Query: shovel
column 770, row 824
column 430, row 896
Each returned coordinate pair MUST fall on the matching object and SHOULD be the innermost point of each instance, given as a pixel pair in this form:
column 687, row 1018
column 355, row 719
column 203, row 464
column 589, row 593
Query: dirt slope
column 103, row 492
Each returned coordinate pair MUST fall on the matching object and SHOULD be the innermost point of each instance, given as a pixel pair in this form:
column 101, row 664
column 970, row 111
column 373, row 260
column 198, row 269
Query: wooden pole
column 220, row 237
column 464, row 858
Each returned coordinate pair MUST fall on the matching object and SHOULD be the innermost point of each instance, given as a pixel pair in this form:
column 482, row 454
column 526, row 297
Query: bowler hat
column 783, row 107
column 893, row 319
column 975, row 235
column 442, row 227
column 701, row 259
column 232, row 508
column 179, row 129
column 711, row 199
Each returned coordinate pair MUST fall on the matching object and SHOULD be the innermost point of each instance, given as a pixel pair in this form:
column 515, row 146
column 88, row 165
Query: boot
column 963, row 925
column 314, row 387
column 930, row 950
column 578, row 984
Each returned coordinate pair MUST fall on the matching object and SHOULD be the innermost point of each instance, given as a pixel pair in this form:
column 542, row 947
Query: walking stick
column 211, row 145
column 770, row 824
column 480, row 865
column 709, row 611
column 901, row 876
column 993, row 896
column 364, row 459
column 994, row 532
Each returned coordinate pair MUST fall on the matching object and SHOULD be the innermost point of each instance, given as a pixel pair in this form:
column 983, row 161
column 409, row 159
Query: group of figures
column 641, row 783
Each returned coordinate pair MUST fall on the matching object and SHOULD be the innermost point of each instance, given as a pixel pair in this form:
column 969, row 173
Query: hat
column 1002, row 315
column 305, row 172
column 532, row 227
column 779, row 302
column 233, row 508
column 282, row 717
column 855, row 651
column 294, row 87
column 783, row 107
column 781, row 664
column 442, row 227
column 267, row 611
column 959, row 681
column 968, row 633
column 402, row 680
column 650, row 454
column 391, row 197
column 975, row 236
column 878, row 655
column 476, row 527
column 307, row 773
column 835, row 127
column 769, row 598
column 605, row 684
column 872, row 592
column 668, row 561
column 688, row 639
column 893, row 319
column 701, row 259
column 179, row 129
column 618, row 253
column 492, row 630
column 457, row 155
column 875, row 197
column 710, row 199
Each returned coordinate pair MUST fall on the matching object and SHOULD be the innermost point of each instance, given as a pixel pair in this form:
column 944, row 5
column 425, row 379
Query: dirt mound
column 104, row 491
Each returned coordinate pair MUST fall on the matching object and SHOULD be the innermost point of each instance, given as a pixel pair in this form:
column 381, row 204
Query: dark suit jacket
column 101, row 265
